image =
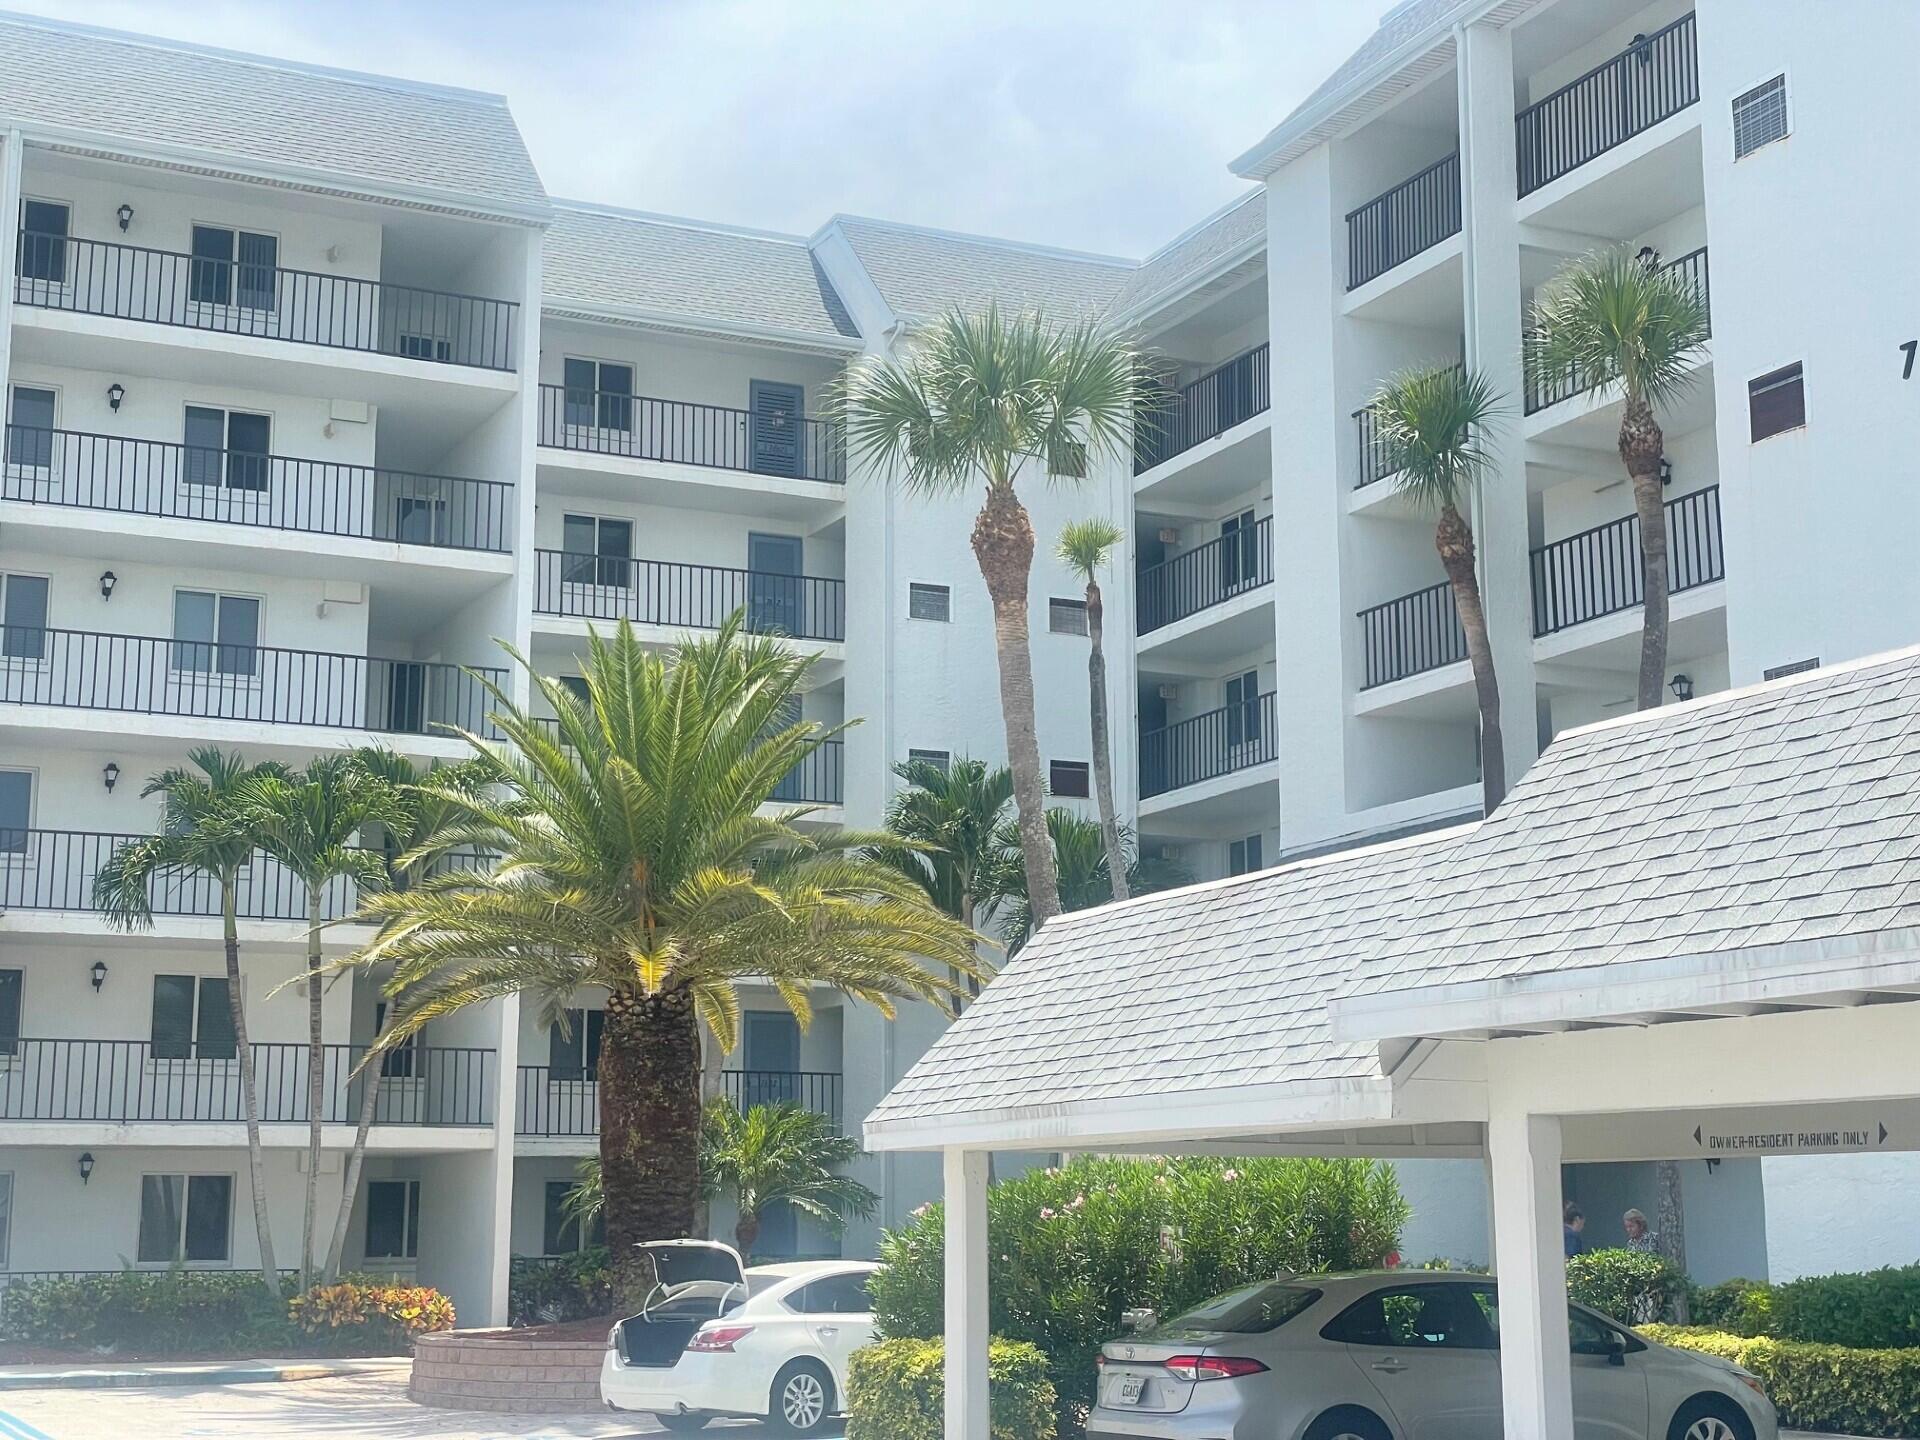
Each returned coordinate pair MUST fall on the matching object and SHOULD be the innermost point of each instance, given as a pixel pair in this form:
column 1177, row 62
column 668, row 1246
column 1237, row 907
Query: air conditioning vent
column 1760, row 117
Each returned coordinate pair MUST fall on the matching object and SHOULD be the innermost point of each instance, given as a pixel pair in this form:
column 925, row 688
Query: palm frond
column 1614, row 316
column 1085, row 545
column 1434, row 426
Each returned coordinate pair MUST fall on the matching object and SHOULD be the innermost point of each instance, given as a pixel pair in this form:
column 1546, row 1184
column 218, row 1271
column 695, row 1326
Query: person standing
column 1573, row 1221
column 1639, row 1237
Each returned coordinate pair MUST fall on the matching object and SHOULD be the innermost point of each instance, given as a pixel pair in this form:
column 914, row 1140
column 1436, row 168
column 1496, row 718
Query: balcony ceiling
column 1626, row 192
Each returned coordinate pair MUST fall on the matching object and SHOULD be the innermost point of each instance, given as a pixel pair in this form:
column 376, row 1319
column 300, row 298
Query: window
column 23, row 617
column 598, row 394
column 393, row 1219
column 191, row 1018
column 1776, row 402
column 1760, row 117
column 215, row 634
column 420, row 520
column 833, row 1295
column 1420, row 1317
column 1797, row 667
column 596, row 551
column 6, row 1217
column 1587, row 1334
column 1256, row 1309
column 43, row 245
column 10, row 983
column 1243, row 856
column 576, row 686
column 929, row 602
column 1068, row 777
column 404, row 1060
column 233, row 267
column 939, row 759
column 559, row 1231
column 16, row 810
column 575, row 1053
column 1239, row 551
column 226, row 448
column 423, row 347
column 185, row 1217
column 1243, row 708
column 1067, row 617
column 30, row 427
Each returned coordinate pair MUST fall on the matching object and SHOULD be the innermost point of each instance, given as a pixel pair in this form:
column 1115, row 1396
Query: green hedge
column 896, row 1390
column 1819, row 1387
column 1873, row 1309
column 571, row 1287
column 1632, row 1286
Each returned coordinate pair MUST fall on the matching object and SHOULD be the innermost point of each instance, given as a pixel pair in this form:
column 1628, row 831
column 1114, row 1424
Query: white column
column 11, row 158
column 1536, row 1375
column 966, row 1294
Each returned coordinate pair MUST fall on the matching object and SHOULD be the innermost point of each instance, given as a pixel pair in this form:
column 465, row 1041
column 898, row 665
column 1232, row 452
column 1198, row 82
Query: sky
column 1101, row 125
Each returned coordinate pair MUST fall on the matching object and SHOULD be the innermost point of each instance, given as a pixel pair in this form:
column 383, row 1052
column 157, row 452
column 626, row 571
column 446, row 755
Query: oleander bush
column 569, row 1287
column 896, row 1390
column 1832, row 1388
column 1631, row 1286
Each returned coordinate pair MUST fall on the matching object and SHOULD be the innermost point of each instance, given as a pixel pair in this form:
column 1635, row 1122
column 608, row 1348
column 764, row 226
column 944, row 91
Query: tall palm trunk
column 1003, row 546
column 649, row 1127
column 1102, row 752
column 1455, row 543
column 350, row 1182
column 316, row 1084
column 746, row 1230
column 1641, row 443
column 249, row 1088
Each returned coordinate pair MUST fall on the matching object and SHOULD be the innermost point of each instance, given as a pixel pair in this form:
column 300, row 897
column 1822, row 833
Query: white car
column 714, row 1338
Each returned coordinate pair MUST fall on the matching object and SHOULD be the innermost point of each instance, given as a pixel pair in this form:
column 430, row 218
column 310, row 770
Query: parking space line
column 13, row 1427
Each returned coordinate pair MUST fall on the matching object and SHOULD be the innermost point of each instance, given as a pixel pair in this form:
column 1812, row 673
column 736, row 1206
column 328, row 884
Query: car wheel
column 1710, row 1417
column 802, row 1399
column 1348, row 1424
column 683, row 1424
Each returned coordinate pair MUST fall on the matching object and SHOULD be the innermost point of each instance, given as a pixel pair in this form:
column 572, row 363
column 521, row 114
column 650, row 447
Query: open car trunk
column 694, row 1281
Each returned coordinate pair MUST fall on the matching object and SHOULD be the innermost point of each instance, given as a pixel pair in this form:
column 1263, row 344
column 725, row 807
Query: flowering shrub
column 391, row 1314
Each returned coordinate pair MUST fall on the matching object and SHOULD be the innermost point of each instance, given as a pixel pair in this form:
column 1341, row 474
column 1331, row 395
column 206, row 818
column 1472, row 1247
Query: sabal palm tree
column 949, row 817
column 983, row 399
column 779, row 1155
column 1084, row 548
column 1615, row 316
column 1080, row 855
column 201, row 832
column 1433, row 424
column 634, row 857
column 309, row 821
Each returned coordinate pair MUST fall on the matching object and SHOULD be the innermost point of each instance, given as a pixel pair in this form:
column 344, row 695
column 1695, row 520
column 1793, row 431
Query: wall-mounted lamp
column 1648, row 256
column 1666, row 471
column 99, row 975
column 116, row 392
column 86, row 1166
column 107, row 581
column 1682, row 687
column 126, row 216
column 110, row 772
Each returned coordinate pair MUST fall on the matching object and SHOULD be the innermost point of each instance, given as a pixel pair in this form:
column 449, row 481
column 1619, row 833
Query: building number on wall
column 1908, row 349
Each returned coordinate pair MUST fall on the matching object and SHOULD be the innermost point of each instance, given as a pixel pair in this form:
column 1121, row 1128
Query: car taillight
column 718, row 1338
column 1211, row 1367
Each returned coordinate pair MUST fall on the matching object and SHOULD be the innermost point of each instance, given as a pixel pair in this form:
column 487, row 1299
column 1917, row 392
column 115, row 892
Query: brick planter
column 486, row 1370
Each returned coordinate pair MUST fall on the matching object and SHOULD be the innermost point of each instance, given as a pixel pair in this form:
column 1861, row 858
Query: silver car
column 1396, row 1355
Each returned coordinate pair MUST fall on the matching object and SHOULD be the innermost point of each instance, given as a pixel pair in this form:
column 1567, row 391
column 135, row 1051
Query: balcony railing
column 1414, row 215
column 1412, row 634
column 213, row 680
column 1205, row 747
column 1600, row 571
column 1212, row 405
column 682, row 596
column 816, row 1090
column 55, row 870
column 637, row 427
column 1656, row 76
column 1377, row 457
column 127, row 282
column 234, row 487
column 1545, row 390
column 820, row 779
column 126, row 1082
column 1205, row 576
column 568, row 1104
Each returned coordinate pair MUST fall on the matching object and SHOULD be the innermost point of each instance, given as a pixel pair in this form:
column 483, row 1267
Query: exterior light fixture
column 107, row 581
column 110, row 772
column 126, row 216
column 1666, row 471
column 1682, row 687
column 86, row 1166
column 99, row 975
column 116, row 392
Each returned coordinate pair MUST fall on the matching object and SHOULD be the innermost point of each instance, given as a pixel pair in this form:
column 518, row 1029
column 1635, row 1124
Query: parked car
column 714, row 1338
column 1396, row 1355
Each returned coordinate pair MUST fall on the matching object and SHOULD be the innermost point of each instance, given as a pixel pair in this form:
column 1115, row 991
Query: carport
column 1686, row 934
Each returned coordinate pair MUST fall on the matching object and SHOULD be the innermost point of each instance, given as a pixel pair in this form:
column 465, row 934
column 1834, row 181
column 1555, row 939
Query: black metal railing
column 638, row 427
column 1377, row 456
column 1414, row 215
column 1208, row 746
column 1543, row 390
column 1219, row 400
column 1205, row 576
column 221, row 680
column 126, row 1082
column 698, row 597
column 1656, row 76
column 819, row 779
column 128, row 282
column 236, row 487
column 1414, row 633
column 1600, row 571
column 568, row 1104
column 815, row 1090
column 55, row 870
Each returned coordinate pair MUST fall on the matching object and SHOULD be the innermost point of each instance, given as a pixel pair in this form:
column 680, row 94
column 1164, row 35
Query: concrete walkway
column 109, row 1375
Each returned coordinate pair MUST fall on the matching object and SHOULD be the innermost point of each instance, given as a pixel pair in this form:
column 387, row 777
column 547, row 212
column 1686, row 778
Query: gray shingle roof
column 927, row 272
column 602, row 259
column 1242, row 223
column 211, row 104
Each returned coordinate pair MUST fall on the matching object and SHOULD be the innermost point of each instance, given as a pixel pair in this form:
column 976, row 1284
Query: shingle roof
column 1242, row 223
column 603, row 259
column 222, row 106
column 921, row 273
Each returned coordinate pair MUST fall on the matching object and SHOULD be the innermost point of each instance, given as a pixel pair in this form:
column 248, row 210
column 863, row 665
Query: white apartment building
column 314, row 392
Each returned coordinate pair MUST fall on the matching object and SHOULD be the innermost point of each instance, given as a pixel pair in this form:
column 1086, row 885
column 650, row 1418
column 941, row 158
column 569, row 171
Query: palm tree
column 949, row 817
column 201, row 832
column 1614, row 316
column 309, row 822
column 1080, row 856
column 634, row 857
column 779, row 1154
column 1433, row 424
column 1083, row 549
column 977, row 398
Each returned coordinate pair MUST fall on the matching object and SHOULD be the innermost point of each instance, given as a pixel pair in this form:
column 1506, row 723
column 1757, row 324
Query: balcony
column 820, row 779
column 1206, row 747
column 76, row 470
column 131, row 1082
column 1411, row 635
column 337, row 312
column 635, row 427
column 1546, row 390
column 1656, row 77
column 1599, row 571
column 687, row 597
column 1212, row 405
column 1413, row 216
column 151, row 675
column 555, row 1103
column 1207, row 575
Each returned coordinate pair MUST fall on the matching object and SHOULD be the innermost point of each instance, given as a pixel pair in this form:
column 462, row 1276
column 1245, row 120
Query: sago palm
column 1615, row 317
column 1080, row 855
column 1084, row 549
column 779, row 1155
column 1433, row 424
column 986, row 399
column 202, row 832
column 634, row 856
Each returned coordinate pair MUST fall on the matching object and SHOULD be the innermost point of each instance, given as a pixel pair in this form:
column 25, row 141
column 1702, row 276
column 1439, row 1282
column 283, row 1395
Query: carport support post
column 966, row 1294
column 1536, row 1373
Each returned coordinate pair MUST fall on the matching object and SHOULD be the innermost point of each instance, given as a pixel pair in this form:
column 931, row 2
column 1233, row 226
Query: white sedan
column 714, row 1338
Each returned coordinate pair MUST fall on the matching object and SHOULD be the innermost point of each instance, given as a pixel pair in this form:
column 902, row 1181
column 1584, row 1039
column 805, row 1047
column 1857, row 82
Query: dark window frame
column 207, row 1032
column 1246, row 855
column 1078, row 772
column 924, row 594
column 405, row 1226
column 26, row 641
column 1777, row 402
column 196, row 1190
column 941, row 759
column 1073, row 611
column 43, row 256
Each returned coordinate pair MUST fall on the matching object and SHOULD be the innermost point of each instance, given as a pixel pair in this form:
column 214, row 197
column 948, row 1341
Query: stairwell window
column 1760, row 117
column 185, row 1218
column 929, row 602
column 192, row 1018
column 393, row 1219
column 1777, row 403
column 1071, row 778
column 1067, row 617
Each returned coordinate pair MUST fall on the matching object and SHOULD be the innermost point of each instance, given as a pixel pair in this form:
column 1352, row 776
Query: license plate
column 1130, row 1388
